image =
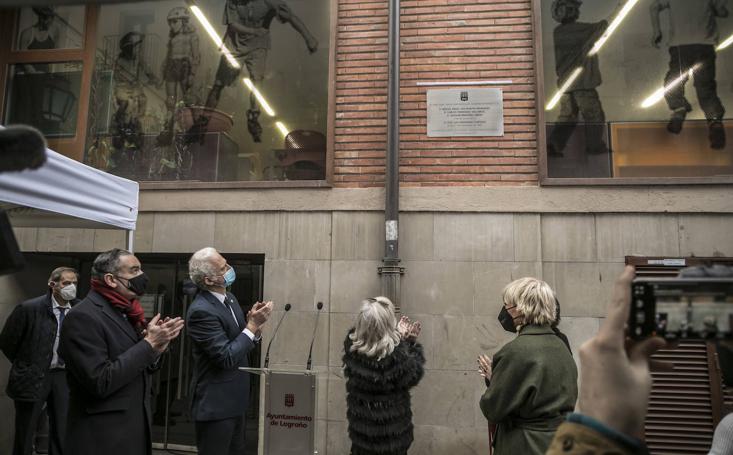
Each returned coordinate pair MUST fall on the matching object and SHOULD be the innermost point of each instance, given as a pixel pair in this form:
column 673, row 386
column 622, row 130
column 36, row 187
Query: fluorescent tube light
column 568, row 82
column 263, row 102
column 657, row 96
column 612, row 27
column 214, row 36
column 282, row 128
column 725, row 43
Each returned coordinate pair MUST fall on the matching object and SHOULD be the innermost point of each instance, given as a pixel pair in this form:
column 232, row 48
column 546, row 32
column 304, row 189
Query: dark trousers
column 681, row 59
column 55, row 394
column 572, row 105
column 220, row 437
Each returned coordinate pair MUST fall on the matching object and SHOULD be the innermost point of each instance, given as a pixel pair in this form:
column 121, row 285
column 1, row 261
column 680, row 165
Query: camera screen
column 682, row 307
column 694, row 315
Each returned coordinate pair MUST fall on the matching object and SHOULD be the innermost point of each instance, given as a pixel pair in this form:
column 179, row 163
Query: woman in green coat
column 532, row 380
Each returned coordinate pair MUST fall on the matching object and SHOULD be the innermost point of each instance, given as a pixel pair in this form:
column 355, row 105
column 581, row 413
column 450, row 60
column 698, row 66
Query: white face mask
column 68, row 293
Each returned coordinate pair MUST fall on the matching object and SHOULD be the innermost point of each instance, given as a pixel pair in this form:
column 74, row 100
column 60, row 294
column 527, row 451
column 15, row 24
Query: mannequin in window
column 693, row 34
column 247, row 37
column 573, row 40
column 179, row 67
column 131, row 73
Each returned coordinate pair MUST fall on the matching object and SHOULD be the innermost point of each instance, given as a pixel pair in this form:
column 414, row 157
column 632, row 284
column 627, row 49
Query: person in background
column 221, row 338
column 30, row 340
column 532, row 380
column 382, row 362
column 110, row 350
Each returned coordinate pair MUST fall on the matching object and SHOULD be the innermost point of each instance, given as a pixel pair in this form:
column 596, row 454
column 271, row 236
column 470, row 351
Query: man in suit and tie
column 110, row 350
column 221, row 339
column 30, row 340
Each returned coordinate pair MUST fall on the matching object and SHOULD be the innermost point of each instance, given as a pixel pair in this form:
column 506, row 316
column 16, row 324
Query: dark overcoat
column 108, row 369
column 534, row 384
column 378, row 398
column 27, row 341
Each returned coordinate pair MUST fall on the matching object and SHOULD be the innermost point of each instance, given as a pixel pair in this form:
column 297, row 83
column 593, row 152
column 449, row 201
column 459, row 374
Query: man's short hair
column 534, row 299
column 200, row 266
column 108, row 262
column 57, row 272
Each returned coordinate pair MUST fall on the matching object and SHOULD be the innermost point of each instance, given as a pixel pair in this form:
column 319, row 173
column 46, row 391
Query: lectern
column 287, row 411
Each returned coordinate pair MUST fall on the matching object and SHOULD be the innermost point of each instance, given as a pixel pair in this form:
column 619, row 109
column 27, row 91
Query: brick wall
column 441, row 40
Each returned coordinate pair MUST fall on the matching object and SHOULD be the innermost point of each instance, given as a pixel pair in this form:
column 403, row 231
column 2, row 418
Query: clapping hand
column 484, row 366
column 258, row 315
column 407, row 329
column 160, row 333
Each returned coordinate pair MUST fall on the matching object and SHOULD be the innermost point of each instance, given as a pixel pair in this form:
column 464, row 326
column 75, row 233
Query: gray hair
column 375, row 332
column 57, row 272
column 108, row 262
column 200, row 266
column 535, row 300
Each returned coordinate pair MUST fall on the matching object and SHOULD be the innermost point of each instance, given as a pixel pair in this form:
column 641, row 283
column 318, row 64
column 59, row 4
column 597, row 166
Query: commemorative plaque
column 465, row 112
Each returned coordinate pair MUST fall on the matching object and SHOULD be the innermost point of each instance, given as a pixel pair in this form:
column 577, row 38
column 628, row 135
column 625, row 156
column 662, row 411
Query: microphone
column 310, row 351
column 267, row 355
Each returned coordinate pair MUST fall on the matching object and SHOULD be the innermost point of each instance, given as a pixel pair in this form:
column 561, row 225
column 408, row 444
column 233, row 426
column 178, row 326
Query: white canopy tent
column 66, row 193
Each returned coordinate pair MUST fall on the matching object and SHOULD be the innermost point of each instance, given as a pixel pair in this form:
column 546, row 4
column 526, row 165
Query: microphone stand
column 313, row 338
column 269, row 345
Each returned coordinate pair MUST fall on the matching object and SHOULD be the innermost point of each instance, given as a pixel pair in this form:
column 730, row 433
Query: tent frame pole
column 130, row 240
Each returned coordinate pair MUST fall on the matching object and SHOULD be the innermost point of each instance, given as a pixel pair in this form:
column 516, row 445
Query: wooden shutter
column 686, row 404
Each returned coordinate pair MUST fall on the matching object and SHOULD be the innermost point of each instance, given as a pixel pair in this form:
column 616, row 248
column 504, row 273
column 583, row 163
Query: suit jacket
column 107, row 367
column 218, row 390
column 27, row 341
column 533, row 386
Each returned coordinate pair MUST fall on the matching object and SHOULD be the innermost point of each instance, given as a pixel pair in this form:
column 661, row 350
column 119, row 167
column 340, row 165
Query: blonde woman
column 532, row 380
column 382, row 362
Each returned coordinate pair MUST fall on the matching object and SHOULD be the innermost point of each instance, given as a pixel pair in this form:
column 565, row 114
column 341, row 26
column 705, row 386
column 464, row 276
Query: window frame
column 73, row 147
column 541, row 134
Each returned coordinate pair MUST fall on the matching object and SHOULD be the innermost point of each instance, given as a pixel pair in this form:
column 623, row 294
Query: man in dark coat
column 221, row 338
column 109, row 351
column 30, row 341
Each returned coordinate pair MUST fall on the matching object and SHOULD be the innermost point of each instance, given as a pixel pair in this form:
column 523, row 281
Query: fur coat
column 378, row 398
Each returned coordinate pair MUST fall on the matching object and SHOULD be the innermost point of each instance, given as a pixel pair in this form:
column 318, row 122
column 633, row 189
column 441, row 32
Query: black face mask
column 137, row 284
column 506, row 320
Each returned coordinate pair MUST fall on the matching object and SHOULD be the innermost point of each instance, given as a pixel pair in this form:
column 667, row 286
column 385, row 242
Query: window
column 635, row 91
column 45, row 65
column 214, row 90
column 172, row 90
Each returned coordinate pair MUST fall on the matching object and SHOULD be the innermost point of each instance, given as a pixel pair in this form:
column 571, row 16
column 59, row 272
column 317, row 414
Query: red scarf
column 131, row 308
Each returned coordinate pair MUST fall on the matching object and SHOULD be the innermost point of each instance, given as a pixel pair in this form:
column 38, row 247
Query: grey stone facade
column 456, row 265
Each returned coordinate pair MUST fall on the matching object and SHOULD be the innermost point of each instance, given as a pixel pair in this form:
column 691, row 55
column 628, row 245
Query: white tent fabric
column 65, row 193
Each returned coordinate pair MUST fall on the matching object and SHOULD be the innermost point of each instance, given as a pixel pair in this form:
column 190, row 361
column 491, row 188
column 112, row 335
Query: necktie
column 62, row 313
column 228, row 303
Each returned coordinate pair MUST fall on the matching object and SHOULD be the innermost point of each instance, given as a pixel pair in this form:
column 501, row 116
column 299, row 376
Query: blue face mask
column 229, row 277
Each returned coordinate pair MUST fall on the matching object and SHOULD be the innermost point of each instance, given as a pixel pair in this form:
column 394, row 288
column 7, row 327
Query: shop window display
column 209, row 90
column 637, row 88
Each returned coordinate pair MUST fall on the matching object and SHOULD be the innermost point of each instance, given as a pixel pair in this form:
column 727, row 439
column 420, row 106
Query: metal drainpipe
column 390, row 271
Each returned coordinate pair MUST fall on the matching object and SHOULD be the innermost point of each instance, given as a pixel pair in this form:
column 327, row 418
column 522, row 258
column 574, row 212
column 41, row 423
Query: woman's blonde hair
column 534, row 299
column 375, row 332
